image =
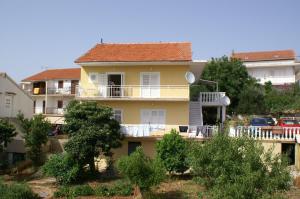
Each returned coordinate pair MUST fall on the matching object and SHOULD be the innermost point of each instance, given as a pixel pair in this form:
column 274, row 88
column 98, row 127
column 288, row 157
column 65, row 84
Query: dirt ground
column 172, row 188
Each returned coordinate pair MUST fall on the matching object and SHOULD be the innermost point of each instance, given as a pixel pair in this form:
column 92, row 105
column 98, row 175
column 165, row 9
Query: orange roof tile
column 265, row 55
column 138, row 52
column 66, row 73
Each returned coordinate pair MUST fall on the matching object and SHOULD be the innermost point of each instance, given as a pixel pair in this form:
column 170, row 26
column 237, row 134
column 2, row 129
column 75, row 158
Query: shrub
column 83, row 190
column 119, row 188
column 62, row 167
column 71, row 192
column 172, row 151
column 123, row 188
column 140, row 170
column 104, row 191
column 16, row 191
column 238, row 168
column 63, row 192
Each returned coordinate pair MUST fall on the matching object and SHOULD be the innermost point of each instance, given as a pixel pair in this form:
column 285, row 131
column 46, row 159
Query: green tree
column 93, row 130
column 238, row 168
column 140, row 170
column 7, row 132
column 62, row 167
column 172, row 151
column 231, row 75
column 36, row 130
column 252, row 100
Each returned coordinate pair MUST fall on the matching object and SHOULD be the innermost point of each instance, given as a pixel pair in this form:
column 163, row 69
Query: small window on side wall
column 118, row 115
column 93, row 78
column 60, row 104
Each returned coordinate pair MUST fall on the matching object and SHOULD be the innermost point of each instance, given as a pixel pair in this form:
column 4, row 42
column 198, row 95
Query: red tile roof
column 66, row 73
column 265, row 55
column 138, row 52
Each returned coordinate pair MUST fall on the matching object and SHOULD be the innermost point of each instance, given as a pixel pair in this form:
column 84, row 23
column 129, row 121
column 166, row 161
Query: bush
column 71, row 192
column 140, row 170
column 16, row 191
column 238, row 168
column 83, row 190
column 172, row 151
column 62, row 167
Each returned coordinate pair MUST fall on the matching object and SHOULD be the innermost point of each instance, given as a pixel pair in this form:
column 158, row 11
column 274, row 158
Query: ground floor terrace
column 281, row 141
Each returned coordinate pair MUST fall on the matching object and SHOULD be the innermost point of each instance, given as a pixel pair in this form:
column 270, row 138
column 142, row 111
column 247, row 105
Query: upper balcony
column 211, row 98
column 135, row 92
column 53, row 91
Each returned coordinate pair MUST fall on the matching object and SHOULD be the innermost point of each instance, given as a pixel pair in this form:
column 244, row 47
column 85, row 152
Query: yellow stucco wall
column 147, row 144
column 275, row 145
column 177, row 113
column 169, row 75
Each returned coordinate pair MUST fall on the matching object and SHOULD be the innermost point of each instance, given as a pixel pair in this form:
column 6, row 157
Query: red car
column 288, row 123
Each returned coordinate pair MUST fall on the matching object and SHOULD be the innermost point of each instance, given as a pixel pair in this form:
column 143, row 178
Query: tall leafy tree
column 92, row 130
column 172, row 150
column 36, row 131
column 231, row 75
column 7, row 132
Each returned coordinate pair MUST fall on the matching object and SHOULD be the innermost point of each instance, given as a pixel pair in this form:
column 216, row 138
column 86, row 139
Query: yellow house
column 145, row 84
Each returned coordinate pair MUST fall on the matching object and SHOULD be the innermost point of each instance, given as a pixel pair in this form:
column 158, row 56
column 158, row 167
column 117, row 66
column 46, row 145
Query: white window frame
column 150, row 110
column 141, row 83
column 121, row 110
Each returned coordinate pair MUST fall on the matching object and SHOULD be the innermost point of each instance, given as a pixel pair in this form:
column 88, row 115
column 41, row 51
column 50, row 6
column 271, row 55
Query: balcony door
column 150, row 85
column 115, row 82
column 110, row 84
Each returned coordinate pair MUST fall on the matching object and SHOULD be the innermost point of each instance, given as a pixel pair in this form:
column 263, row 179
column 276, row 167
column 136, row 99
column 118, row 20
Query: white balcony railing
column 211, row 98
column 266, row 133
column 135, row 91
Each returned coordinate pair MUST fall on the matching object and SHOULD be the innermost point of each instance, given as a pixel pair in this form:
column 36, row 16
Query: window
column 60, row 84
column 150, row 84
column 118, row 115
column 59, row 104
column 34, row 106
column 93, row 77
column 132, row 146
column 153, row 116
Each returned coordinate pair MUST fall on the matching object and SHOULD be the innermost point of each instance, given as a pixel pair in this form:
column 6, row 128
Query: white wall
column 54, row 83
column 20, row 100
column 277, row 75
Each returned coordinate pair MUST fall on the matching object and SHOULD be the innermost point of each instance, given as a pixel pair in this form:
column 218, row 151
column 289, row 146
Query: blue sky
column 39, row 34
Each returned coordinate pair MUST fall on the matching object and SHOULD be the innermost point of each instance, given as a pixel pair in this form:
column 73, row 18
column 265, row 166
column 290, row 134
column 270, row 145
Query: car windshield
column 259, row 121
column 290, row 122
column 269, row 120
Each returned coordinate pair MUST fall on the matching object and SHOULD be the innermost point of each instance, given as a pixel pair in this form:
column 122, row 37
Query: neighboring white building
column 12, row 100
column 52, row 90
column 279, row 67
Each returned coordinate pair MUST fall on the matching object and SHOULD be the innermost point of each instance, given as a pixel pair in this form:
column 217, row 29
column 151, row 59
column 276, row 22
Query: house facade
column 279, row 67
column 145, row 85
column 12, row 101
column 51, row 91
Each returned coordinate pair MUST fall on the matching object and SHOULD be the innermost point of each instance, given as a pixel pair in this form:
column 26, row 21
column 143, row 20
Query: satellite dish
column 190, row 77
column 225, row 100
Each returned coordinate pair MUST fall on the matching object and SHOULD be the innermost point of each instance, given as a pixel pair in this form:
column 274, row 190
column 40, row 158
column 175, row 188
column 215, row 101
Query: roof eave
column 134, row 63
